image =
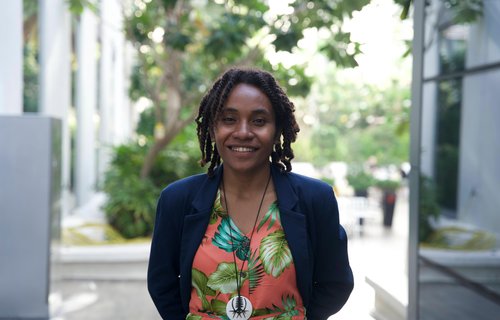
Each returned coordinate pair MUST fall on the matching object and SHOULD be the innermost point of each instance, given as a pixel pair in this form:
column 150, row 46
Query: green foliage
column 207, row 37
column 76, row 7
column 356, row 121
column 131, row 201
column 360, row 180
column 465, row 11
column 146, row 123
column 387, row 184
column 428, row 208
column 30, row 77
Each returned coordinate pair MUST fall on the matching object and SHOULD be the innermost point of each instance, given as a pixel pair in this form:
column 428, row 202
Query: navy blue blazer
column 310, row 219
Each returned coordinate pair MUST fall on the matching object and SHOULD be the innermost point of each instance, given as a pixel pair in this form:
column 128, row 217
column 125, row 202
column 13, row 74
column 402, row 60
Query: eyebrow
column 257, row 111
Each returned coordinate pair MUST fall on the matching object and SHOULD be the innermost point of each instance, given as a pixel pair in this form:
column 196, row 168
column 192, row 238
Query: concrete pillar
column 55, row 77
column 106, row 103
column 123, row 113
column 11, row 58
column 86, row 93
column 115, row 111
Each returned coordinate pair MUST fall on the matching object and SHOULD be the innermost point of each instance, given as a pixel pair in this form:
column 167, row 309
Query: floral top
column 268, row 277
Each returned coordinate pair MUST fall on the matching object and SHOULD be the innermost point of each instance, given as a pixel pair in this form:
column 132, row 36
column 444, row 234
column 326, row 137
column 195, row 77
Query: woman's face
column 245, row 130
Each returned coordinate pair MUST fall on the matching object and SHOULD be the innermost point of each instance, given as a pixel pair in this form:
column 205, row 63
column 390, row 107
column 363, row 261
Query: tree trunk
column 155, row 149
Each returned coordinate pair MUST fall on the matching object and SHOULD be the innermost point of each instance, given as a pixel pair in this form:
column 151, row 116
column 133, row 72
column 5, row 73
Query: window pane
column 459, row 227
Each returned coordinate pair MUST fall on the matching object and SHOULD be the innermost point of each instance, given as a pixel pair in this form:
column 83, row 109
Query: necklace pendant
column 239, row 308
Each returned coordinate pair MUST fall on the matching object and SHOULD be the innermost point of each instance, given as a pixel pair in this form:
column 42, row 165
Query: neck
column 246, row 183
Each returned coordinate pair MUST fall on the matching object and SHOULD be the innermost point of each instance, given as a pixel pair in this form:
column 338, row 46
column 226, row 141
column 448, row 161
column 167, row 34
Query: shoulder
column 186, row 183
column 184, row 188
column 309, row 186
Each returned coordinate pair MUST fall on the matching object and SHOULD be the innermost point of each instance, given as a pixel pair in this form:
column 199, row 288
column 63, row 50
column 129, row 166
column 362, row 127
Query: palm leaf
column 275, row 253
column 255, row 271
column 229, row 238
column 199, row 281
column 218, row 307
column 217, row 210
column 224, row 278
column 272, row 213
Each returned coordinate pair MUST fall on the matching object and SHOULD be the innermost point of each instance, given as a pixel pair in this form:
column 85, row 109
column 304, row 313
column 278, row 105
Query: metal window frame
column 415, row 141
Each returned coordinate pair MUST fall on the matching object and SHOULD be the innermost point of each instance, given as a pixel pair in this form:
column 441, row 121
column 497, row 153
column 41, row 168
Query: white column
column 55, row 77
column 106, row 80
column 11, row 58
column 86, row 93
column 123, row 114
column 115, row 124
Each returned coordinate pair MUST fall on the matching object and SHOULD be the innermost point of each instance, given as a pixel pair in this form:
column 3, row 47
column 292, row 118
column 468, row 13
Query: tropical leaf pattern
column 262, row 263
column 229, row 238
column 275, row 253
column 271, row 215
column 223, row 279
column 255, row 271
column 217, row 210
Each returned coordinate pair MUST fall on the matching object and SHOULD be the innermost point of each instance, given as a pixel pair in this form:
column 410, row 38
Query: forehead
column 247, row 97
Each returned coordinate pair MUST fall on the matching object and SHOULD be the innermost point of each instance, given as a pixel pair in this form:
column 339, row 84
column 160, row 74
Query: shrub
column 360, row 180
column 131, row 201
column 388, row 185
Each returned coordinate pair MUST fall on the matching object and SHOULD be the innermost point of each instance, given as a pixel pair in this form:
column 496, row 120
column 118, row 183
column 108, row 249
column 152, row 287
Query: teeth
column 242, row 149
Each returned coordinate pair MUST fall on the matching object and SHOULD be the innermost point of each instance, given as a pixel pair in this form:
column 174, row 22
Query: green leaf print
column 218, row 307
column 287, row 311
column 229, row 238
column 193, row 317
column 255, row 271
column 272, row 213
column 217, row 210
column 275, row 253
column 199, row 281
column 224, row 278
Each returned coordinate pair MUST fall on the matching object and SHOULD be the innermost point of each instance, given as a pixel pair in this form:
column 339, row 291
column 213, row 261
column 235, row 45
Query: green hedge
column 131, row 201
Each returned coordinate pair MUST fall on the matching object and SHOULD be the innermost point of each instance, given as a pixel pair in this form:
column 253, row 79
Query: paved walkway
column 120, row 292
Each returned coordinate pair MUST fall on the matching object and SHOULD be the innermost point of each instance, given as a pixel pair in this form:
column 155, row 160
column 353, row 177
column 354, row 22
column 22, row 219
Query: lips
column 242, row 149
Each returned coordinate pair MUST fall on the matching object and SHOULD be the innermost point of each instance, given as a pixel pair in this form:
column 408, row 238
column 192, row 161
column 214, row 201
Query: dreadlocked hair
column 213, row 102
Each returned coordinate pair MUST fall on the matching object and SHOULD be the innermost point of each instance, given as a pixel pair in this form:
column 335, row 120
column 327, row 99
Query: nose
column 243, row 131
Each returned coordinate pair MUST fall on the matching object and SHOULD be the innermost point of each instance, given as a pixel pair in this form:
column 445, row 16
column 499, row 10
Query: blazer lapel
column 294, row 223
column 195, row 225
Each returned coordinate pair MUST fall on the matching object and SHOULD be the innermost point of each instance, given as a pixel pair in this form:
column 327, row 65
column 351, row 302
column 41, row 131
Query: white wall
column 11, row 58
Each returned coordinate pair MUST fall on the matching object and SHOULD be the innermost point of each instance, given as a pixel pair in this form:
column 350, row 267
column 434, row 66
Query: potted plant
column 389, row 189
column 360, row 181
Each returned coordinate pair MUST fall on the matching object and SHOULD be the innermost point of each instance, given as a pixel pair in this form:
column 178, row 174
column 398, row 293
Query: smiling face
column 245, row 130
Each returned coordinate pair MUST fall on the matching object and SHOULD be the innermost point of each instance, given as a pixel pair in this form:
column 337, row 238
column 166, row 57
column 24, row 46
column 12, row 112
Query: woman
column 249, row 238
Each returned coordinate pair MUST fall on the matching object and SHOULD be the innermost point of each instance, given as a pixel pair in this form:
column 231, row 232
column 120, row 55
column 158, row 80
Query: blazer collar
column 287, row 198
column 204, row 199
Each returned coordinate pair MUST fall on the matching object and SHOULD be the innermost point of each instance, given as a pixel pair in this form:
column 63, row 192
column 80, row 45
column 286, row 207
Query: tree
column 355, row 121
column 183, row 45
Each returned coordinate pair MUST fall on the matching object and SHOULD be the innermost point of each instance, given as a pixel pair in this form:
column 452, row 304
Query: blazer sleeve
column 163, row 269
column 332, row 276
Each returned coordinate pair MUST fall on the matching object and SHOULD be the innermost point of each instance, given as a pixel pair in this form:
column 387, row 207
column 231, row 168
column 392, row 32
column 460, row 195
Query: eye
column 228, row 119
column 260, row 122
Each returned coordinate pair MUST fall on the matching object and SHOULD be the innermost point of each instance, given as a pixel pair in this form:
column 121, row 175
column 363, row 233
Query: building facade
column 454, row 260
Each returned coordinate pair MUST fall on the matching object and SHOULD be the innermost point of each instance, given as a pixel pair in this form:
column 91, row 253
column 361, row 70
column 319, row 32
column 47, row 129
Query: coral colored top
column 268, row 278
